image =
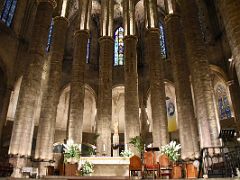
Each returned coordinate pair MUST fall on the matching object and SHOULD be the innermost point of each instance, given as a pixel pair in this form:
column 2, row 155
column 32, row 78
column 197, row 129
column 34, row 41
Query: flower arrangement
column 126, row 153
column 71, row 152
column 171, row 150
column 87, row 168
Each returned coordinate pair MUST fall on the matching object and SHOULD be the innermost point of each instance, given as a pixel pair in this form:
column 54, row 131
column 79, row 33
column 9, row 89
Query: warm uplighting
column 64, row 8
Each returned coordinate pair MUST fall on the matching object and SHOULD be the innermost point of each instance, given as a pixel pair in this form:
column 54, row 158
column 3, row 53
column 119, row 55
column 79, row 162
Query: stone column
column 76, row 108
column 144, row 124
column 105, row 95
column 4, row 110
column 231, row 17
column 157, row 88
column 235, row 96
column 178, row 56
column 22, row 134
column 77, row 93
column 132, row 125
column 106, row 44
column 200, row 75
column 46, row 129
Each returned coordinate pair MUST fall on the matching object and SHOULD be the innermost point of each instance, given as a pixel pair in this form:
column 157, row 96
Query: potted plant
column 126, row 153
column 87, row 168
column 137, row 142
column 71, row 154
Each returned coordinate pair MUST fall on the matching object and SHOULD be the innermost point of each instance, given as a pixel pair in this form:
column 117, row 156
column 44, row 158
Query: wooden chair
column 135, row 165
column 165, row 168
column 150, row 164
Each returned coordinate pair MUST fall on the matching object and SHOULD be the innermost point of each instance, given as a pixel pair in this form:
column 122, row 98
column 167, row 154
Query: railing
column 221, row 161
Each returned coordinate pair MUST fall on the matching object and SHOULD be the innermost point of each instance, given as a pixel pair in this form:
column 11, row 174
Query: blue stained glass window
column 8, row 11
column 88, row 50
column 223, row 103
column 50, row 37
column 162, row 42
column 119, row 47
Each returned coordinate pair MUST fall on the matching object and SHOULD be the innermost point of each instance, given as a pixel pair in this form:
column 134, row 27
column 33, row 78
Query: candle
column 104, row 147
column 80, row 147
column 126, row 147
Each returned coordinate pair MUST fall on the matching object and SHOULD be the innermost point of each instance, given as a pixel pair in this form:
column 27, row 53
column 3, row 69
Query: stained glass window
column 88, row 50
column 119, row 47
column 50, row 33
column 223, row 103
column 163, row 42
column 8, row 10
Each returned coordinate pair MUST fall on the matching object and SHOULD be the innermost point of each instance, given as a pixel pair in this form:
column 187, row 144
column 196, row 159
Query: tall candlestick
column 104, row 147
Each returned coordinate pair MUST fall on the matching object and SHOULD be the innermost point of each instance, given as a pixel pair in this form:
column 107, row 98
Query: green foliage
column 87, row 168
column 126, row 153
column 137, row 142
column 71, row 151
column 171, row 150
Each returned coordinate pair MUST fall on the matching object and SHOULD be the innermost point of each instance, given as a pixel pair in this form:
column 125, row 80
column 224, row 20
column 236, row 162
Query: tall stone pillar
column 75, row 123
column 178, row 56
column 77, row 93
column 132, row 123
column 200, row 75
column 106, row 44
column 4, row 110
column 157, row 88
column 231, row 17
column 22, row 134
column 46, row 129
column 235, row 96
column 105, row 95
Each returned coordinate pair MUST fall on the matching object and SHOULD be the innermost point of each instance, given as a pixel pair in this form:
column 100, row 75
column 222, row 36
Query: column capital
column 83, row 32
column 170, row 16
column 106, row 38
column 61, row 18
column 153, row 30
column 52, row 2
column 134, row 37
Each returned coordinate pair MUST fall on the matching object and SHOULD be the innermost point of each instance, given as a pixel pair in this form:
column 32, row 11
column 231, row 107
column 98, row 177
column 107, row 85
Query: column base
column 42, row 168
column 18, row 163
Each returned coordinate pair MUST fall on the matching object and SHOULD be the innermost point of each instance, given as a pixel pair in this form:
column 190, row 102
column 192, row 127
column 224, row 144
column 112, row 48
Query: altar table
column 108, row 166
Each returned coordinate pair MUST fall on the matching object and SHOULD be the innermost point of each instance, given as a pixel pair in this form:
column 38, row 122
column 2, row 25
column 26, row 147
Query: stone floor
column 95, row 177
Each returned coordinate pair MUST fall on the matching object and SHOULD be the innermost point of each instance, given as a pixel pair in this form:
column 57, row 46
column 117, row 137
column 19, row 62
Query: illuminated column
column 178, row 56
column 46, row 129
column 22, row 134
column 132, row 126
column 81, row 36
column 235, row 95
column 231, row 17
column 106, row 44
column 200, row 75
column 157, row 88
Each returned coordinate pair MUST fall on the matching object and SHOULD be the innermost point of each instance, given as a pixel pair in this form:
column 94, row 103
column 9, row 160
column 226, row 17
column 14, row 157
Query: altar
column 108, row 166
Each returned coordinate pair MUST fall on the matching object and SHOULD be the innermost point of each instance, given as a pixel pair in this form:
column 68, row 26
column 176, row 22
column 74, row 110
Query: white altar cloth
column 108, row 166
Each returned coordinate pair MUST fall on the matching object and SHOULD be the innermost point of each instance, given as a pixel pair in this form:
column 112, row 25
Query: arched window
column 7, row 11
column 88, row 50
column 162, row 41
column 50, row 33
column 119, row 47
column 223, row 102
